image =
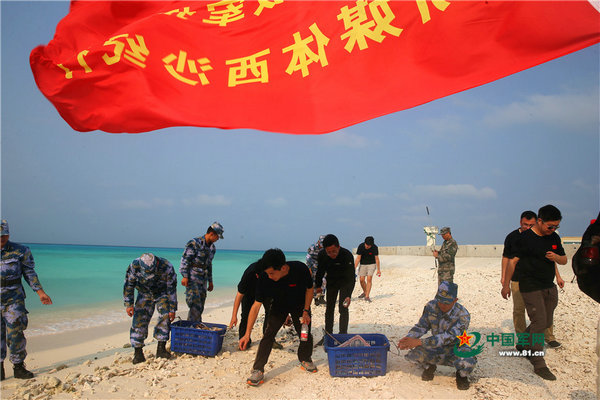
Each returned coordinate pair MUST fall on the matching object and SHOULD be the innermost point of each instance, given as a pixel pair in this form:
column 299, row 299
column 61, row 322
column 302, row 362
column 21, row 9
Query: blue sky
column 476, row 159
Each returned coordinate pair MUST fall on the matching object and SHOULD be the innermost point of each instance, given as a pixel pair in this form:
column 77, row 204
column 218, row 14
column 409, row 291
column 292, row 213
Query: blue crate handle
column 339, row 343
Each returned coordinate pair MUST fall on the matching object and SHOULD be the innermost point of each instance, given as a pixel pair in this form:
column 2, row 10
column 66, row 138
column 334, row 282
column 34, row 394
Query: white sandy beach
column 92, row 363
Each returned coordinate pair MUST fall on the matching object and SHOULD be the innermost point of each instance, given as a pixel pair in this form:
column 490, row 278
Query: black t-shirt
column 536, row 271
column 340, row 271
column 288, row 293
column 510, row 248
column 247, row 285
column 367, row 256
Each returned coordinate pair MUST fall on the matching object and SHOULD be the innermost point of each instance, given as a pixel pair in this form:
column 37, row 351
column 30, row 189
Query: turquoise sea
column 86, row 283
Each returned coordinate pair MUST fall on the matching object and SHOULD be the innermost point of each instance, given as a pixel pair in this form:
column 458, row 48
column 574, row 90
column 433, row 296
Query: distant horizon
column 139, row 246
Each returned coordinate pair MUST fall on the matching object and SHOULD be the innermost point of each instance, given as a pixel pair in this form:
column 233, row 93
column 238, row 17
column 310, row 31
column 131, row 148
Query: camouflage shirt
column 444, row 327
column 17, row 262
column 447, row 253
column 197, row 254
column 313, row 252
column 157, row 280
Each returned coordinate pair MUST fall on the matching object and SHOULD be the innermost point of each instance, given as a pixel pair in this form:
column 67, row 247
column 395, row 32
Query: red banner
column 299, row 67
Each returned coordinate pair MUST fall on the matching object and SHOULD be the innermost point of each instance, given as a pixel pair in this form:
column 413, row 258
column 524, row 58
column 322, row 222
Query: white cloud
column 447, row 125
column 371, row 196
column 579, row 112
column 349, row 222
column 347, row 139
column 585, row 186
column 277, row 202
column 346, row 201
column 460, row 190
column 206, row 200
column 353, row 201
column 145, row 204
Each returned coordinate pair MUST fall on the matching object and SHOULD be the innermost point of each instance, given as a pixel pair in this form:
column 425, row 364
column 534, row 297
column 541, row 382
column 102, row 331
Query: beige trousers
column 519, row 313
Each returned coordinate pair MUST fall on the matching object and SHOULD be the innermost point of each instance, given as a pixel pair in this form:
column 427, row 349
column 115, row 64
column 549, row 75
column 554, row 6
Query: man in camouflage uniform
column 156, row 284
column 196, row 269
column 446, row 319
column 17, row 262
column 312, row 256
column 445, row 256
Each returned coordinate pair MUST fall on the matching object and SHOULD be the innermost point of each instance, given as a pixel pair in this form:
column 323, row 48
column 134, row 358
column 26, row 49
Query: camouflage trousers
column 14, row 322
column 426, row 356
column 195, row 295
column 142, row 314
column 445, row 273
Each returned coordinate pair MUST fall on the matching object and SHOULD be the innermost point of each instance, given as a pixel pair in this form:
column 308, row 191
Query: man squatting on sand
column 290, row 286
column 156, row 284
column 17, row 263
column 537, row 251
column 446, row 319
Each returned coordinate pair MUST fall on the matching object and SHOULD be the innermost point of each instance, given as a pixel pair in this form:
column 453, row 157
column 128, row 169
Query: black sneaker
column 462, row 382
column 545, row 373
column 277, row 346
column 553, row 344
column 428, row 373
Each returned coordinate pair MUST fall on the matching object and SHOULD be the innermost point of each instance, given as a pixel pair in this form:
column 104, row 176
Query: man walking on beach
column 338, row 263
column 156, row 283
column 245, row 296
column 528, row 219
column 196, row 269
column 290, row 286
column 367, row 256
column 446, row 256
column 537, row 251
column 17, row 263
column 446, row 319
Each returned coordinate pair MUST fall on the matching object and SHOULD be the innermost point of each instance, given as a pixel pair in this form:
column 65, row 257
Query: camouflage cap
column 447, row 292
column 218, row 228
column 5, row 227
column 445, row 230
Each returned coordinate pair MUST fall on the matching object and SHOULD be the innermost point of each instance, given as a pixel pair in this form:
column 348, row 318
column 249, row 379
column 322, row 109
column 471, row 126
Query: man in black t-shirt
column 290, row 286
column 338, row 263
column 528, row 219
column 367, row 260
column 537, row 251
column 245, row 297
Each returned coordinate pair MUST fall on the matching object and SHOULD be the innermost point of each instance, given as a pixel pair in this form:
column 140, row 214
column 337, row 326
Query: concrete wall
column 472, row 250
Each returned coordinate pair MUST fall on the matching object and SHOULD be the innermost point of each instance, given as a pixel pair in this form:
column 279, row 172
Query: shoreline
column 71, row 318
column 94, row 365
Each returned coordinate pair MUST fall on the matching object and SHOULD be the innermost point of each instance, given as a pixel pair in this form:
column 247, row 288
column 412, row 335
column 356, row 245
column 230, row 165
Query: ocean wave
column 62, row 321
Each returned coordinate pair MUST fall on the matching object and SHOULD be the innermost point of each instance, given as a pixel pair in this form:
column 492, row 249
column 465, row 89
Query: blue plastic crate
column 357, row 361
column 185, row 339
